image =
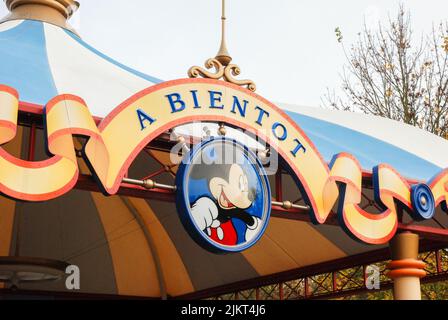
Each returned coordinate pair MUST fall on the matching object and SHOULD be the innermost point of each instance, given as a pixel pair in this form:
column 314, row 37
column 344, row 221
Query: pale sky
column 288, row 47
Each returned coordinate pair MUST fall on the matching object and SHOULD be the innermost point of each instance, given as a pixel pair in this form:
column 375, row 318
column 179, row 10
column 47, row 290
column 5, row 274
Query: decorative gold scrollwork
column 233, row 70
column 196, row 71
column 226, row 72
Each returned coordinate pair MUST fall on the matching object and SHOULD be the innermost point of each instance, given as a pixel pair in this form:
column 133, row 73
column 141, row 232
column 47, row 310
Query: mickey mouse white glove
column 205, row 214
column 253, row 229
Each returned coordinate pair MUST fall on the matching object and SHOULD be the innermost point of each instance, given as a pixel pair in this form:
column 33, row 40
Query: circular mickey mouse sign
column 223, row 195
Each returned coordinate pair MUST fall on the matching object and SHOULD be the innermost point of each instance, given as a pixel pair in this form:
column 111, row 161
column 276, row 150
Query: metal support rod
column 278, row 186
column 306, row 287
column 157, row 172
column 280, row 291
column 334, row 281
column 364, row 274
column 32, row 142
column 289, row 205
column 149, row 184
column 438, row 261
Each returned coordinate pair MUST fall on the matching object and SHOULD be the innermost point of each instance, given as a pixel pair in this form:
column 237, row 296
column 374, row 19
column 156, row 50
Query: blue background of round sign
column 422, row 210
column 190, row 189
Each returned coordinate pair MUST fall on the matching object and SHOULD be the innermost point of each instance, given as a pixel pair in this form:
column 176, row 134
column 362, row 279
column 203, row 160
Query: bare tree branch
column 390, row 74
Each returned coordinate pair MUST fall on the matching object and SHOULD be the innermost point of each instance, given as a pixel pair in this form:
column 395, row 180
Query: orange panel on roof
column 289, row 244
column 135, row 270
column 176, row 277
column 267, row 257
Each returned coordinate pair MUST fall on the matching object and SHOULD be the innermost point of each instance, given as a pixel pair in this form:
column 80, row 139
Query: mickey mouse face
column 233, row 192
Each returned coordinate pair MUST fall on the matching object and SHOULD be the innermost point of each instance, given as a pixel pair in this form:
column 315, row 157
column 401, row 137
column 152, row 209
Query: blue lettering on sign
column 238, row 107
column 215, row 96
column 194, row 93
column 298, row 147
column 142, row 117
column 176, row 103
column 274, row 131
column 241, row 109
column 260, row 115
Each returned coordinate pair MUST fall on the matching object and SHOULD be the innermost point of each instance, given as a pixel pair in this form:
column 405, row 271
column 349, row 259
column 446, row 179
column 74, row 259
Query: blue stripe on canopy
column 331, row 139
column 116, row 63
column 24, row 62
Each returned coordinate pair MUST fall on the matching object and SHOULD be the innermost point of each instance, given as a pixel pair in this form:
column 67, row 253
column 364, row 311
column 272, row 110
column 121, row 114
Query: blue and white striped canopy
column 41, row 61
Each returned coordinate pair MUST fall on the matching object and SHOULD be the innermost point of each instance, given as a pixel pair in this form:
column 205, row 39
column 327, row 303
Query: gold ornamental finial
column 223, row 68
column 56, row 12
column 223, row 55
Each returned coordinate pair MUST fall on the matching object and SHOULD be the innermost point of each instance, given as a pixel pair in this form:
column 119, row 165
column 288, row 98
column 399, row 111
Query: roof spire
column 223, row 55
column 56, row 12
column 223, row 68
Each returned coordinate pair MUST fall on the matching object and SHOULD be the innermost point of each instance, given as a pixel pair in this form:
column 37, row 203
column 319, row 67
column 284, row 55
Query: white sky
column 288, row 47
